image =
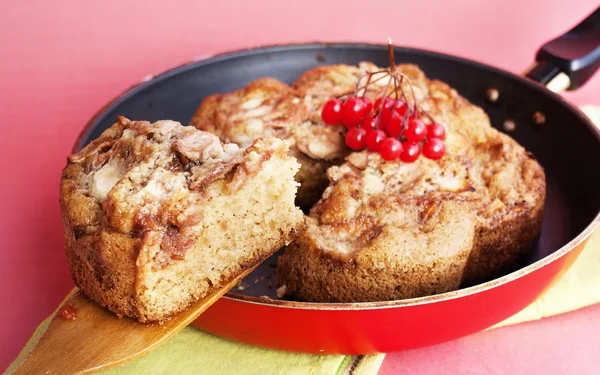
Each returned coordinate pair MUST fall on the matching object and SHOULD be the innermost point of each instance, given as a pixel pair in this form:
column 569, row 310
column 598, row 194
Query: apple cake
column 157, row 215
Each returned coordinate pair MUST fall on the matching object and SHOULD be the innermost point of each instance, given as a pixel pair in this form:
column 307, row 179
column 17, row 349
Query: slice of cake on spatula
column 157, row 216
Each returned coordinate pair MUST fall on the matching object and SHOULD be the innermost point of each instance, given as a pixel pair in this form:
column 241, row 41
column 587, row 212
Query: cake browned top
column 140, row 176
column 268, row 107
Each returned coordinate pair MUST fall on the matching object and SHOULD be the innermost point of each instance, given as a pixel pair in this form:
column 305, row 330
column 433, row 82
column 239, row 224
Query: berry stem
column 369, row 76
column 381, row 71
column 395, row 86
column 412, row 92
column 357, row 88
column 402, row 91
column 427, row 114
column 407, row 112
column 364, row 87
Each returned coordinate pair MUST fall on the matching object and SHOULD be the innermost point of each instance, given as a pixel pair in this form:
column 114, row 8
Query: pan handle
column 568, row 61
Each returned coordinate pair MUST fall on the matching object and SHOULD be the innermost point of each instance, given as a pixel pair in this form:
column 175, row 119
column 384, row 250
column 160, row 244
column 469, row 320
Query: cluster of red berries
column 388, row 126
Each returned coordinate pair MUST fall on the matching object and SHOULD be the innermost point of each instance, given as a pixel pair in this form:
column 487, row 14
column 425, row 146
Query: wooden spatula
column 97, row 339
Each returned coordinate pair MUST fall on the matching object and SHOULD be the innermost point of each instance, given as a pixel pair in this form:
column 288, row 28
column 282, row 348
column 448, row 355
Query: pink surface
column 565, row 344
column 61, row 61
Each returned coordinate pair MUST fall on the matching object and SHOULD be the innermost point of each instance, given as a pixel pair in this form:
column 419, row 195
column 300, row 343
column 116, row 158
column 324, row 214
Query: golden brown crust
column 139, row 202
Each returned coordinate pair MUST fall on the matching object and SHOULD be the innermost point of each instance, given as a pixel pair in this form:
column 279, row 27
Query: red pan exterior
column 384, row 327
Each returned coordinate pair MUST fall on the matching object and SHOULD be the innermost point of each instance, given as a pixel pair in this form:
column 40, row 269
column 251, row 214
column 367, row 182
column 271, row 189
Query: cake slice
column 156, row 216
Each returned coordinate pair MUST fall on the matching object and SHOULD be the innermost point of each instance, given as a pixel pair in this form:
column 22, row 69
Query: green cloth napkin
column 195, row 352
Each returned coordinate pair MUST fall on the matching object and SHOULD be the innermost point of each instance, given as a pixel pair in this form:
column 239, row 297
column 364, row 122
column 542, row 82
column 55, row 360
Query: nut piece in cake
column 157, row 215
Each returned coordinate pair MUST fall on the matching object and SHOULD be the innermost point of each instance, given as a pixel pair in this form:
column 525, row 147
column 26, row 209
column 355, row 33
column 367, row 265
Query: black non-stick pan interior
column 567, row 147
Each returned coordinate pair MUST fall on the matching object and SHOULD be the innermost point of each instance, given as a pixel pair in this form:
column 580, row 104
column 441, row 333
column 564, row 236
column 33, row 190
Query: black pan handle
column 569, row 60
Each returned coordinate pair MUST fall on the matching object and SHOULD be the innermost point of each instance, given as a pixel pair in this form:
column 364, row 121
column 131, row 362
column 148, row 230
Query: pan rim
column 273, row 48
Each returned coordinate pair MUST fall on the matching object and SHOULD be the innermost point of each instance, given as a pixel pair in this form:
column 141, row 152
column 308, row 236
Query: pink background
column 61, row 61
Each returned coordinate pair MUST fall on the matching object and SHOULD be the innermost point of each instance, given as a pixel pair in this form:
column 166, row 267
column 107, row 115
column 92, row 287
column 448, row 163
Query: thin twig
column 391, row 55
column 367, row 85
column 361, row 88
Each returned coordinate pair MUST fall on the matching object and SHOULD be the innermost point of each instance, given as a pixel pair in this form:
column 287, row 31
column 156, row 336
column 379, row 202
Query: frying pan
column 564, row 141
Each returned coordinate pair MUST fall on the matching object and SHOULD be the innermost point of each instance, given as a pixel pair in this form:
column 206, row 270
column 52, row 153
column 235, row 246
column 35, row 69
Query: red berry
column 332, row 112
column 434, row 148
column 370, row 123
column 356, row 138
column 415, row 131
column 390, row 149
column 388, row 103
column 386, row 114
column 436, row 130
column 410, row 152
column 385, row 117
column 353, row 112
column 393, row 125
column 368, row 105
column 374, row 139
column 400, row 107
